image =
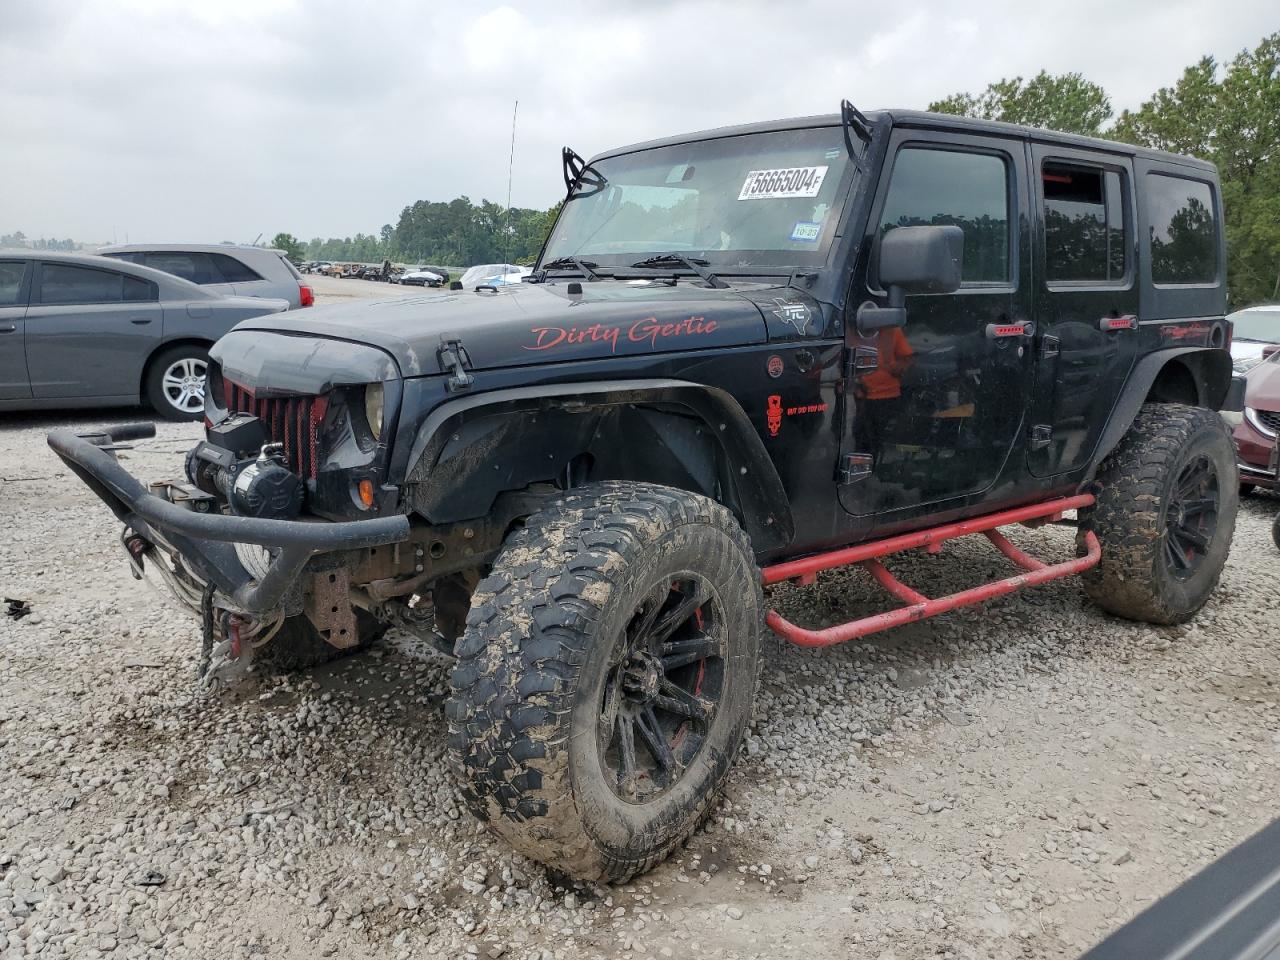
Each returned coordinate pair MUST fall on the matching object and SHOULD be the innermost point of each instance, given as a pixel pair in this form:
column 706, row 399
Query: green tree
column 292, row 248
column 1231, row 117
column 1065, row 102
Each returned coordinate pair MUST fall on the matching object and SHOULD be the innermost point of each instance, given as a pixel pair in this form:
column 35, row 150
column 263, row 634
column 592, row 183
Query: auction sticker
column 783, row 183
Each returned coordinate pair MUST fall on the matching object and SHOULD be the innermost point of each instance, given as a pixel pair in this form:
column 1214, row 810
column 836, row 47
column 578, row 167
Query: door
column 938, row 404
column 90, row 331
column 14, row 287
column 1086, row 302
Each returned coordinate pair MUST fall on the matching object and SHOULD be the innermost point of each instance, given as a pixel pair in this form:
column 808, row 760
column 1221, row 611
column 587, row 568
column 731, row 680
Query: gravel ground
column 1012, row 781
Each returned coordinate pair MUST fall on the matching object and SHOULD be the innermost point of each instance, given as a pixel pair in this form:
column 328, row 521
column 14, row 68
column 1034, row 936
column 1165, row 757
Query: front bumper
column 206, row 541
column 1256, row 456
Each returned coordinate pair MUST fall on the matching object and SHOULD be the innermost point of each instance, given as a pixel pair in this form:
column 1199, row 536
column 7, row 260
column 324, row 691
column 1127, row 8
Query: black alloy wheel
column 661, row 695
column 1191, row 517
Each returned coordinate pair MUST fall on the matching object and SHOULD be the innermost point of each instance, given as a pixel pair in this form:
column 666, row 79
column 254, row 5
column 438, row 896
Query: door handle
column 8, row 328
column 1127, row 322
column 1020, row 328
column 139, row 321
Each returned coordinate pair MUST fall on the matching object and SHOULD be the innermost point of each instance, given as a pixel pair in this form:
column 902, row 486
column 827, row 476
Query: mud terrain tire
column 621, row 607
column 298, row 645
column 1166, row 510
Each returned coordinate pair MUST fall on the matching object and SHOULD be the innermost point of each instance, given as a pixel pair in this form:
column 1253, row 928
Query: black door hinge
column 454, row 359
column 855, row 467
column 859, row 360
column 1041, row 436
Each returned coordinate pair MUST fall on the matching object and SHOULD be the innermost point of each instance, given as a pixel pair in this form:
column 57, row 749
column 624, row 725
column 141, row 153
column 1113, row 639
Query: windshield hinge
column 454, row 360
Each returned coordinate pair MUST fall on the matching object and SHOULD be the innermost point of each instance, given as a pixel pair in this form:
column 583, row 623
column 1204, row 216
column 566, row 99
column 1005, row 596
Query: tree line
column 452, row 233
column 1225, row 113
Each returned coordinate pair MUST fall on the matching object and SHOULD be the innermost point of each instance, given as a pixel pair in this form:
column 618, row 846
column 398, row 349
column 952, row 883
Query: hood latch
column 454, row 360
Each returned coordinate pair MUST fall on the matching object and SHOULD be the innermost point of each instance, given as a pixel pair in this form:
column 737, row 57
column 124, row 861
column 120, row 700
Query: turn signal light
column 366, row 492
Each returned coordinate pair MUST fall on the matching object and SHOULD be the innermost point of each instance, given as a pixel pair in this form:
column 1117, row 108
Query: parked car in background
column 83, row 331
column 1255, row 431
column 225, row 268
column 421, row 278
column 1254, row 329
column 441, row 272
column 493, row 274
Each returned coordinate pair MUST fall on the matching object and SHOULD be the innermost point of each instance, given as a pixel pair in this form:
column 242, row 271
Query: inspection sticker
column 806, row 231
column 782, row 183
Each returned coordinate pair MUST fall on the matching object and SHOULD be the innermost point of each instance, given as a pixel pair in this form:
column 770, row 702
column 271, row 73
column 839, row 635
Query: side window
column 232, row 270
column 195, row 267
column 1084, row 224
column 968, row 190
column 139, row 291
column 1184, row 230
column 62, row 283
column 11, row 272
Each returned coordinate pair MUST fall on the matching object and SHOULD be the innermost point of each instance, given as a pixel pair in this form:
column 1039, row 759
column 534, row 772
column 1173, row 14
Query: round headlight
column 373, row 396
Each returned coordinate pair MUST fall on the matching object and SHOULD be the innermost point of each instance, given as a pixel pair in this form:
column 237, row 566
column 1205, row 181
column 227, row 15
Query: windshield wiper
column 585, row 267
column 696, row 264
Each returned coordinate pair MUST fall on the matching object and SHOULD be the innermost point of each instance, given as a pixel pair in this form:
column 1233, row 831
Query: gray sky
column 222, row 119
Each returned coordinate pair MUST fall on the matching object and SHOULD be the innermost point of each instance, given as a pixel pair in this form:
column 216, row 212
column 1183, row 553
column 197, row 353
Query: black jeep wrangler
column 744, row 356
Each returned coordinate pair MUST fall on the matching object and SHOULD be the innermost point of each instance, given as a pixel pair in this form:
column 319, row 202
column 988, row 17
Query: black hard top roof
column 926, row 121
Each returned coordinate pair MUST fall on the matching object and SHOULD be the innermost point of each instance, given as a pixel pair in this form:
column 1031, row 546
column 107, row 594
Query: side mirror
column 913, row 260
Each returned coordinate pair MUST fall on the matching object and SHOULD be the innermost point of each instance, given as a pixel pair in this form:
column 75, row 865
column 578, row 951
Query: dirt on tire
column 1135, row 488
column 541, row 629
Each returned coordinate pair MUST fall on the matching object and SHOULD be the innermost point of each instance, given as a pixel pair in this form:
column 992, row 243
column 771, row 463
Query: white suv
column 226, row 268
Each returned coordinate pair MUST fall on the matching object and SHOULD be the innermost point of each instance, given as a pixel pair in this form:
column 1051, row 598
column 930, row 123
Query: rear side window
column 1184, row 230
column 969, row 190
column 1084, row 227
column 62, row 283
column 232, row 270
column 288, row 265
column 11, row 272
column 196, row 267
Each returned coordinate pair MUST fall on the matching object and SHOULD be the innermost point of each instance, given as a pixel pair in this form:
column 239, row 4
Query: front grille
column 1269, row 419
column 291, row 421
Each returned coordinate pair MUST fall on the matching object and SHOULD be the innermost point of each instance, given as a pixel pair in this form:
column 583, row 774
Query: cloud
column 213, row 121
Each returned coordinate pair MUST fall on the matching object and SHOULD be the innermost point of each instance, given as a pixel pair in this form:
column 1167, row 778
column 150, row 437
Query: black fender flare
column 1210, row 368
column 474, row 470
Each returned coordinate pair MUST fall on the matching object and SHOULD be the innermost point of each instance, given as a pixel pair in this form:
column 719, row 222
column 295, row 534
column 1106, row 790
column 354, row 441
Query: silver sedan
column 85, row 331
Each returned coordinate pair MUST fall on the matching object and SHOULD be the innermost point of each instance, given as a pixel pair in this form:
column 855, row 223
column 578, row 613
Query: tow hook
column 229, row 660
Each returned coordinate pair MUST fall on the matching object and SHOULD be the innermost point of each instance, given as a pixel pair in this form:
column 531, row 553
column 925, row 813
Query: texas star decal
column 789, row 311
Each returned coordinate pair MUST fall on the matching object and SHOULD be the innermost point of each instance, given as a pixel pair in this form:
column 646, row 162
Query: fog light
column 366, row 492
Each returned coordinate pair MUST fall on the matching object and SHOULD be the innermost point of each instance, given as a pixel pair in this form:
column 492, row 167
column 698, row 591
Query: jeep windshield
column 762, row 203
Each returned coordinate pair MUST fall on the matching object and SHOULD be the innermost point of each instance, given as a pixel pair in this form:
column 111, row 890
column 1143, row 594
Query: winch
column 238, row 462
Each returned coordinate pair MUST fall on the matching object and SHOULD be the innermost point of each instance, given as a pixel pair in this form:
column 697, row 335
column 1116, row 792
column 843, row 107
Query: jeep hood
column 523, row 324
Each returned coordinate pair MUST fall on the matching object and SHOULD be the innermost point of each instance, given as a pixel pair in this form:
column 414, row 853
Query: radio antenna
column 506, row 247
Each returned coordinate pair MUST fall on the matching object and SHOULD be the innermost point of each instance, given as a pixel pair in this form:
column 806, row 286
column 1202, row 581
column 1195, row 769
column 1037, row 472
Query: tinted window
column 969, row 190
column 11, row 281
column 61, row 283
column 196, row 267
column 232, row 270
column 1184, row 231
column 1084, row 229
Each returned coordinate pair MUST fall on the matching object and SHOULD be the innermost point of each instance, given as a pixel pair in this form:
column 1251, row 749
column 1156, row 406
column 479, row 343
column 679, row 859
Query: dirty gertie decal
column 775, row 366
column 647, row 330
column 782, row 183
